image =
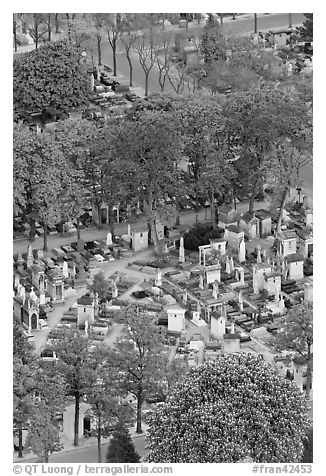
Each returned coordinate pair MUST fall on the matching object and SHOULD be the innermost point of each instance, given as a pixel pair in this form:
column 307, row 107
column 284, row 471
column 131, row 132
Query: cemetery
column 231, row 295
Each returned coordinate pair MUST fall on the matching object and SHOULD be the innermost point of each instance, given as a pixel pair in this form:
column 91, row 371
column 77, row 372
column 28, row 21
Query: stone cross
column 181, row 251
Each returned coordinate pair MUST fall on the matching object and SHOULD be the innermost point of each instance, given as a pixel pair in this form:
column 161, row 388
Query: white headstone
column 184, row 297
column 115, row 290
column 92, row 81
column 40, row 254
column 227, row 266
column 215, row 290
column 22, row 293
column 32, row 295
column 231, row 265
column 242, row 251
column 42, row 298
column 109, row 239
column 129, row 230
column 17, row 281
column 65, row 271
column 29, row 252
column 201, row 281
column 258, row 254
column 181, row 251
column 158, row 280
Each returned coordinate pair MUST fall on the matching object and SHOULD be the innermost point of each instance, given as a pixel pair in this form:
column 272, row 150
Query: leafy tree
column 150, row 147
column 52, row 76
column 227, row 410
column 43, row 436
column 121, row 448
column 74, row 366
column 100, row 285
column 296, row 334
column 22, row 349
column 306, row 31
column 103, row 397
column 199, row 235
column 256, row 120
column 308, row 454
column 138, row 356
column 212, row 41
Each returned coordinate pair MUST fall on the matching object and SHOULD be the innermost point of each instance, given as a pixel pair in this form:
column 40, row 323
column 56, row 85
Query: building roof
column 139, row 227
column 295, row 257
column 174, row 307
column 247, row 217
column 85, row 300
column 272, row 274
column 263, row 213
column 231, row 336
column 305, row 233
column 287, row 235
column 234, row 229
column 218, row 240
column 226, row 209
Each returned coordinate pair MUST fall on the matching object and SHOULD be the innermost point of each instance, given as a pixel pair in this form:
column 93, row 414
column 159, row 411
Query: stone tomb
column 294, row 264
column 176, row 317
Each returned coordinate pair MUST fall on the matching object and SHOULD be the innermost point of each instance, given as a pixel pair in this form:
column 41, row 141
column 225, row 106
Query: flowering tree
column 227, row 410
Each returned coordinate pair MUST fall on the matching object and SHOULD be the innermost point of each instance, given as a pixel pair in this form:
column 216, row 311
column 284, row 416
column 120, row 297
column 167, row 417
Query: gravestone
column 40, row 254
column 115, row 290
column 258, row 254
column 65, row 271
column 42, row 298
column 184, row 297
column 109, row 239
column 17, row 281
column 29, row 252
column 20, row 259
column 158, row 279
column 240, row 301
column 181, row 251
column 215, row 290
column 201, row 281
column 242, row 251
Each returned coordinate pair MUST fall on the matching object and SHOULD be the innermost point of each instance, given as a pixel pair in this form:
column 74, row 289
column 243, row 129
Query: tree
column 149, row 145
column 74, row 366
column 306, row 31
column 296, row 334
column 308, row 454
column 128, row 35
column 53, row 76
column 43, row 436
column 227, row 410
column 255, row 121
column 145, row 48
column 212, row 44
column 113, row 25
column 121, row 448
column 138, row 356
column 100, row 285
column 103, row 398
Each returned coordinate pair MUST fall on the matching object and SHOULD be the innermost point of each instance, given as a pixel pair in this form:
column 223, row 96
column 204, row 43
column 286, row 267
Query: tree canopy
column 227, row 410
column 51, row 76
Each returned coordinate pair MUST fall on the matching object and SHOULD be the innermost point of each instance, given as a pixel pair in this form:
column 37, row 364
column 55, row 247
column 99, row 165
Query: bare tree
column 146, row 50
column 114, row 24
column 163, row 60
column 128, row 36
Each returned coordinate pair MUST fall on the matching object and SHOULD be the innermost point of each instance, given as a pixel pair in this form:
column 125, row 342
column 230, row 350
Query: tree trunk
column 139, row 405
column 255, row 22
column 45, row 238
column 213, row 211
column 99, row 448
column 76, row 423
column 20, row 441
column 36, row 33
column 111, row 220
column 290, row 20
column 99, row 51
column 49, row 26
column 130, row 65
column 146, row 83
column 15, row 32
column 56, row 23
column 46, row 456
column 280, row 213
column 78, row 229
column 309, row 374
column 99, row 211
column 32, row 231
column 252, row 198
column 114, row 54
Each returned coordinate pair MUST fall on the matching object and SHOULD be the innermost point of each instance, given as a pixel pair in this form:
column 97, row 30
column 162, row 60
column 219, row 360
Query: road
column 242, row 26
column 89, row 454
